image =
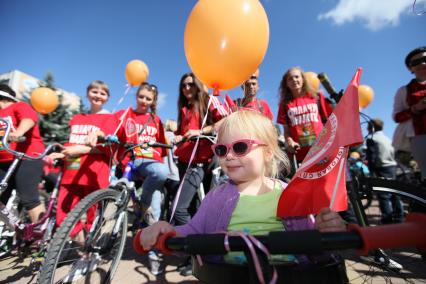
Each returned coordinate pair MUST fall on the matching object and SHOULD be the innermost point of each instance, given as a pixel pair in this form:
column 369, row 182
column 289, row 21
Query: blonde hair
column 98, row 84
column 259, row 127
column 170, row 125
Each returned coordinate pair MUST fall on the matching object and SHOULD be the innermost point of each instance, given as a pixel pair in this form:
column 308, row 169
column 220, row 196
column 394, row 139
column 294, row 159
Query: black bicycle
column 322, row 267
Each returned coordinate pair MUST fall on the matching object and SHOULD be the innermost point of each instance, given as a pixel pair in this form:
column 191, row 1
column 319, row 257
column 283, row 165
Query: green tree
column 54, row 126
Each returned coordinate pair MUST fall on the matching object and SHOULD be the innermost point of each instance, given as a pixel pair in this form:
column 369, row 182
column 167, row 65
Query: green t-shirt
column 256, row 215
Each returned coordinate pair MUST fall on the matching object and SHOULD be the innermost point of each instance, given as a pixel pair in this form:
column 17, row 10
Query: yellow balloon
column 313, row 80
column 136, row 72
column 365, row 95
column 226, row 40
column 44, row 100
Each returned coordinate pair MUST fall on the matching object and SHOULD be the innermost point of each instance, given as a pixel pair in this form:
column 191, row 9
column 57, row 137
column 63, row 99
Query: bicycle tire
column 56, row 250
column 389, row 265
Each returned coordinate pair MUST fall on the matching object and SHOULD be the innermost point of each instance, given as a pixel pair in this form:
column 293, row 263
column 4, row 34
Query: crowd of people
column 246, row 150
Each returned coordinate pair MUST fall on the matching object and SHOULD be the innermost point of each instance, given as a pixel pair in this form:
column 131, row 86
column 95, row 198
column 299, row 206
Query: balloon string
column 414, row 9
column 251, row 243
column 175, row 201
column 128, row 88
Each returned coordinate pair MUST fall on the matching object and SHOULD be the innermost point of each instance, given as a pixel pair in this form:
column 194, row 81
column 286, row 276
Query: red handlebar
column 160, row 245
column 410, row 233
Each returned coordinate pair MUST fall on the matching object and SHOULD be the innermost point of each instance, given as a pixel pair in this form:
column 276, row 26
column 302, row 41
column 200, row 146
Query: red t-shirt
column 304, row 120
column 91, row 169
column 33, row 144
column 415, row 93
column 153, row 131
column 192, row 120
column 260, row 106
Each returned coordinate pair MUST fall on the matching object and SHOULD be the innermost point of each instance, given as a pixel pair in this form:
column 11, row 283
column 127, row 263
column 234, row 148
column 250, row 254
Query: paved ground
column 133, row 269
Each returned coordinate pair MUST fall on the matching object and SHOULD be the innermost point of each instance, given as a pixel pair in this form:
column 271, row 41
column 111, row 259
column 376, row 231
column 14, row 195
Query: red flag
column 320, row 180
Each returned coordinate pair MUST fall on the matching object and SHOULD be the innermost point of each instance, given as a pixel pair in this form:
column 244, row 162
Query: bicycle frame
column 29, row 232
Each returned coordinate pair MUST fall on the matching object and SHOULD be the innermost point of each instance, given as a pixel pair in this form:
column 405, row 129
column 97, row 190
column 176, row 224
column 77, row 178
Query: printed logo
column 324, row 166
column 322, row 144
column 131, row 128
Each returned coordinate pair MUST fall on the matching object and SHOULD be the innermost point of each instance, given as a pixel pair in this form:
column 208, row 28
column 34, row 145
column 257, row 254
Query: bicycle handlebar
column 363, row 239
column 6, row 146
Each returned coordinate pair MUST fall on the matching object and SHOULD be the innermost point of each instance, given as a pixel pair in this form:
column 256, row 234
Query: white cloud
column 161, row 100
column 375, row 14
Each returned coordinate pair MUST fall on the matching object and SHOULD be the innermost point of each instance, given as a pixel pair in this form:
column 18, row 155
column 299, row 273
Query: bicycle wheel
column 391, row 266
column 87, row 249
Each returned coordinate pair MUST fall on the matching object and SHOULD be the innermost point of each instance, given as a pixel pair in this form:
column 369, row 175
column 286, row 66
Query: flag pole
column 339, row 175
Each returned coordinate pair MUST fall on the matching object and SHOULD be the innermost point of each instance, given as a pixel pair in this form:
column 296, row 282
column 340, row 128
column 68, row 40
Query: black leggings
column 25, row 180
column 196, row 174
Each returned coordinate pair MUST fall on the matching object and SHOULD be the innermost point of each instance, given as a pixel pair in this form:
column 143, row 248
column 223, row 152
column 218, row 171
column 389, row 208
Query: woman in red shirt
column 302, row 112
column 192, row 107
column 28, row 173
column 143, row 125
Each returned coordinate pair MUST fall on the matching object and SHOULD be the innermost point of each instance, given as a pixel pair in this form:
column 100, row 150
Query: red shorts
column 69, row 196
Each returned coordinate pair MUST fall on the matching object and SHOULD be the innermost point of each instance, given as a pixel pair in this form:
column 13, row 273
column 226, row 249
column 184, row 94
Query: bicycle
column 15, row 234
column 410, row 233
column 105, row 237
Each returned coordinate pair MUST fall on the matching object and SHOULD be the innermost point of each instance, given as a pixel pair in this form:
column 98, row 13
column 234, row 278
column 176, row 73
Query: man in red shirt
column 249, row 101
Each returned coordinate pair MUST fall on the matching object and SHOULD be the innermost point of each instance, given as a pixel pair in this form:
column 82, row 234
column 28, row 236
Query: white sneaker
column 81, row 267
column 155, row 263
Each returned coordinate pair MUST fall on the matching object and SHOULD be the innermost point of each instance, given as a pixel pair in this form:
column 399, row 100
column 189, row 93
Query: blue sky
column 80, row 41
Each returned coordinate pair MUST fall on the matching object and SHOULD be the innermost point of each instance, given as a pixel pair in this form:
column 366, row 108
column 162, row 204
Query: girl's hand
column 191, row 133
column 92, row 138
column 292, row 146
column 177, row 139
column 55, row 155
column 329, row 221
column 76, row 150
column 150, row 234
column 14, row 136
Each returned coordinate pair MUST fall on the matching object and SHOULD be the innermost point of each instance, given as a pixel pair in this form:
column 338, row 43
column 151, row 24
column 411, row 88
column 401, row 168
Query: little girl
column 249, row 154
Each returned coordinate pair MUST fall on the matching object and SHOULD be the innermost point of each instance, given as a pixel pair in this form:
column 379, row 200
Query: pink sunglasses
column 239, row 148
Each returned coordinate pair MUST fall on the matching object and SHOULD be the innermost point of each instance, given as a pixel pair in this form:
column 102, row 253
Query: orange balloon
column 365, row 95
column 44, row 100
column 313, row 80
column 225, row 41
column 136, row 72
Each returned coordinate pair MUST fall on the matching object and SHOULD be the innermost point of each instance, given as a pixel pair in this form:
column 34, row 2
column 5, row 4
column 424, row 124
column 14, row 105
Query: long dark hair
column 200, row 102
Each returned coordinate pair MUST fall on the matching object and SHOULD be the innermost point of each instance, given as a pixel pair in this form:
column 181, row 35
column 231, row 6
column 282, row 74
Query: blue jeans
column 154, row 174
column 390, row 205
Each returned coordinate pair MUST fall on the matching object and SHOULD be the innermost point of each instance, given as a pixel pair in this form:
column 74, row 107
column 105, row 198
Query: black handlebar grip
column 297, row 242
column 205, row 244
column 162, row 145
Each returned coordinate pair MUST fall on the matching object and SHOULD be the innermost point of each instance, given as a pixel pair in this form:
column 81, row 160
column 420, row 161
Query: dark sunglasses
column 188, row 85
column 417, row 61
column 239, row 148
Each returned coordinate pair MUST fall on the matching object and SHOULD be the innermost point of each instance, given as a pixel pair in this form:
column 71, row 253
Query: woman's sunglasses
column 188, row 85
column 418, row 61
column 239, row 148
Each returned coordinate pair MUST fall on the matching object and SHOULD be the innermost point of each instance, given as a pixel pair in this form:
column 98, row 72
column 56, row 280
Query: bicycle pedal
column 388, row 263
